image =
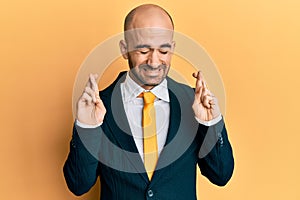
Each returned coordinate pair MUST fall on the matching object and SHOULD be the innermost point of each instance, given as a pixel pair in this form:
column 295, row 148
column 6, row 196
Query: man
column 114, row 136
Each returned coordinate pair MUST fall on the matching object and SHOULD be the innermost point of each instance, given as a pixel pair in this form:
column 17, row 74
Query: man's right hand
column 90, row 108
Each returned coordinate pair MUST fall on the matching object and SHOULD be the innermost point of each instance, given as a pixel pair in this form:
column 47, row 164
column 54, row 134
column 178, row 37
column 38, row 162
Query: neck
column 146, row 87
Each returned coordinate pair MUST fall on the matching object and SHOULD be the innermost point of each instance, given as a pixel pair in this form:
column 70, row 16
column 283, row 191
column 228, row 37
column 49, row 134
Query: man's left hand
column 205, row 105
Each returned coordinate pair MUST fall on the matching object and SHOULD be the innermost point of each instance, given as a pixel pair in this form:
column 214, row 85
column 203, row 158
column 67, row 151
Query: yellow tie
column 149, row 130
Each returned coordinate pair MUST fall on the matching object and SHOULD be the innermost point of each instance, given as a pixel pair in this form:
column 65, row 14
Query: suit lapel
column 181, row 133
column 175, row 113
column 166, row 154
column 118, row 123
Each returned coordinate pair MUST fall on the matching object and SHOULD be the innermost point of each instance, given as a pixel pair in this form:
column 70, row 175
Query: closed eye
column 144, row 50
column 163, row 51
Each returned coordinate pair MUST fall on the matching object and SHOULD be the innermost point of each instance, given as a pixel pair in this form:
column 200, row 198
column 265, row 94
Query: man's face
column 149, row 53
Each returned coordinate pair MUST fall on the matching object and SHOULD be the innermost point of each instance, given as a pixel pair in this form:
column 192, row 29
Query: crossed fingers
column 91, row 91
column 202, row 93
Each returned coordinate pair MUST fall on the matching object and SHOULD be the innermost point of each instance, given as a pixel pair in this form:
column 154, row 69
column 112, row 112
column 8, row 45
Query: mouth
column 152, row 72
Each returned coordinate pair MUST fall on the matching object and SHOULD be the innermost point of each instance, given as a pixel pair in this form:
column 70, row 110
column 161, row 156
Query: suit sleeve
column 81, row 167
column 215, row 156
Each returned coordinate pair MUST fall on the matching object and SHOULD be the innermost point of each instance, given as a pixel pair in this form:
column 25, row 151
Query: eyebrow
column 141, row 46
column 167, row 45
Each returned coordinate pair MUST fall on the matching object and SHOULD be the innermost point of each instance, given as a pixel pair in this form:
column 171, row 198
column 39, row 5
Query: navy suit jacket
column 110, row 152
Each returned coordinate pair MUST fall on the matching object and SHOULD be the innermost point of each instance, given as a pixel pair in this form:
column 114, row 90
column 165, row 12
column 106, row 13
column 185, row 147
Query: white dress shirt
column 134, row 108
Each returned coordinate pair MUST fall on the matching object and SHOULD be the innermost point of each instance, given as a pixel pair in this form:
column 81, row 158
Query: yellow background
column 255, row 45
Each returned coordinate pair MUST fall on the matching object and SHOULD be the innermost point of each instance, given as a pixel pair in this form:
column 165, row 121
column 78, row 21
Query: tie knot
column 149, row 97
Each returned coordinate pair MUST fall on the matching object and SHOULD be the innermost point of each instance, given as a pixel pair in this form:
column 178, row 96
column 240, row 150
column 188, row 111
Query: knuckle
column 83, row 96
column 86, row 89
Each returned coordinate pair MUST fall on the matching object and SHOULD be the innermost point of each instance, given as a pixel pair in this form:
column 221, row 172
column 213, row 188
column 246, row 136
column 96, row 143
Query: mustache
column 152, row 68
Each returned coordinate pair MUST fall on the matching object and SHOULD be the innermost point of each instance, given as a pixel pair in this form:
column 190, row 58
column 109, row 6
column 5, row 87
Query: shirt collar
column 132, row 90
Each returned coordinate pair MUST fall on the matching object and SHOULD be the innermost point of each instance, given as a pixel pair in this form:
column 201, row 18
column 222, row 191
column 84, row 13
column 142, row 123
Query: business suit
column 175, row 177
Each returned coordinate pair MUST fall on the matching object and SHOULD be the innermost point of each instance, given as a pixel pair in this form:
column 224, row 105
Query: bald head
column 148, row 44
column 148, row 16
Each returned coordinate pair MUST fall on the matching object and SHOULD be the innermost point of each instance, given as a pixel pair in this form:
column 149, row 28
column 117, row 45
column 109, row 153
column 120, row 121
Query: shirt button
column 150, row 193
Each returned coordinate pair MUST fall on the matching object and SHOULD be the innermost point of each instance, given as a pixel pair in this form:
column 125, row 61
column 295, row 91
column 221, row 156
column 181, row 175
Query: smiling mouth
column 151, row 70
column 152, row 73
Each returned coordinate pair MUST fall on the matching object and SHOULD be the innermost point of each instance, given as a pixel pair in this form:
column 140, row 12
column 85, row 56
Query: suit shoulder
column 105, row 93
column 174, row 85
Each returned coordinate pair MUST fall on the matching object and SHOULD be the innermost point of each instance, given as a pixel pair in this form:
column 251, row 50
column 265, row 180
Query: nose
column 154, row 59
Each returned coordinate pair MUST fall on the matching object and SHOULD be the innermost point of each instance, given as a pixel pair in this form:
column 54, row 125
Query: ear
column 123, row 49
column 173, row 46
